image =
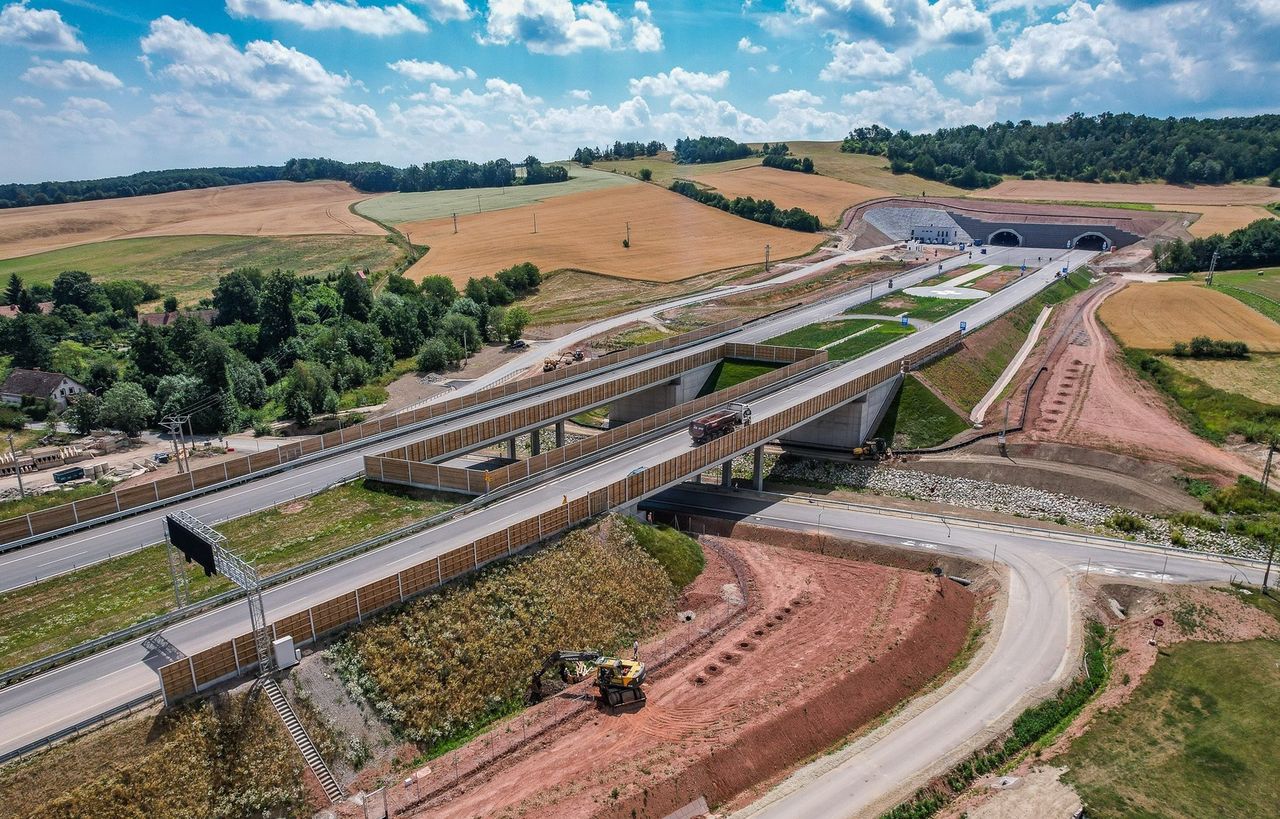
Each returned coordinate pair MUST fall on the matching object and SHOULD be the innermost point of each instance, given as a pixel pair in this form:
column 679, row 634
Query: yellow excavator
column 618, row 680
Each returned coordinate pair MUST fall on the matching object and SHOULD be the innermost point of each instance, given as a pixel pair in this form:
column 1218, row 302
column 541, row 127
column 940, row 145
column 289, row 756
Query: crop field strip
column 257, row 209
column 671, row 237
column 824, row 196
column 232, row 658
column 399, row 208
column 1154, row 316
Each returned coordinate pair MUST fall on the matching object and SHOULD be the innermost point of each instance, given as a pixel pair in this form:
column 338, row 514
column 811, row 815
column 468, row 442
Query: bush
column 1205, row 347
column 11, row 418
column 680, row 555
column 645, row 175
column 1124, row 522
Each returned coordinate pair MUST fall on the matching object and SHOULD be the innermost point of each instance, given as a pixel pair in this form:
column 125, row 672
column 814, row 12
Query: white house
column 55, row 387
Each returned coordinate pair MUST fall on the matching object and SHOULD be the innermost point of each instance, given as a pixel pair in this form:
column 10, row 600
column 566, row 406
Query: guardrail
column 34, row 526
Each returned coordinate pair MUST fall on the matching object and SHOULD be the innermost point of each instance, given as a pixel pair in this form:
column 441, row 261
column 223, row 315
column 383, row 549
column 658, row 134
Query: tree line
column 758, row 210
column 1255, row 245
column 282, row 345
column 618, row 150
column 1103, row 148
column 690, row 151
column 370, row 177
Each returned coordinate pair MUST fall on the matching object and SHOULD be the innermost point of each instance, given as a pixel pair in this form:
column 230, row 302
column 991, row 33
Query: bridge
column 644, row 458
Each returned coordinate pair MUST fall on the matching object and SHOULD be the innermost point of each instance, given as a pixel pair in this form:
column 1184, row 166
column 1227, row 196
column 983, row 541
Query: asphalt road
column 87, row 546
column 91, row 686
column 1032, row 652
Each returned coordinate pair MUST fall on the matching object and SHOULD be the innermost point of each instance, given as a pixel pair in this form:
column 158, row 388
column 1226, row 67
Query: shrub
column 11, row 418
column 1124, row 522
column 679, row 554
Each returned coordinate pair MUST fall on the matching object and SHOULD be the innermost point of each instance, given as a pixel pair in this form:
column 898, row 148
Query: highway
column 1032, row 654
column 64, row 696
column 85, row 547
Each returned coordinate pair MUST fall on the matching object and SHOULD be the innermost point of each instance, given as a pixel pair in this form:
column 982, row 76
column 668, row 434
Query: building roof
column 162, row 319
column 11, row 310
column 36, row 383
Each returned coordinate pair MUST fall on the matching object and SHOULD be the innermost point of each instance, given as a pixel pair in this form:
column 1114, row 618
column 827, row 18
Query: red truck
column 720, row 422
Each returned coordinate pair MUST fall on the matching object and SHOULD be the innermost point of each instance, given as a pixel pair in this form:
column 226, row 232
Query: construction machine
column 618, row 680
column 550, row 364
column 873, row 450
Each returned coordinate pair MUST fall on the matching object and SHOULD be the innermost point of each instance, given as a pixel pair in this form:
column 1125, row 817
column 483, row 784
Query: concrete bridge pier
column 757, row 469
column 559, row 434
column 511, row 448
column 655, row 399
column 849, row 425
column 726, row 474
column 535, row 441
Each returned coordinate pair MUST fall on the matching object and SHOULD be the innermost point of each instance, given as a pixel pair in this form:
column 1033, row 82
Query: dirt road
column 1091, row 398
column 825, row 645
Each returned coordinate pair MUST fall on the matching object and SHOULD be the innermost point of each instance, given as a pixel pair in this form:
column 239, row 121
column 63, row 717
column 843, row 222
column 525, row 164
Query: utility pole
column 766, row 258
column 17, row 469
column 455, row 222
column 1266, row 470
column 628, row 233
column 1213, row 264
column 535, row 223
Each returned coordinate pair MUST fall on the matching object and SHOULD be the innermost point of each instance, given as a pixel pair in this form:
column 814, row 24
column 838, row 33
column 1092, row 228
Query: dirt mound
column 822, row 646
column 1090, row 398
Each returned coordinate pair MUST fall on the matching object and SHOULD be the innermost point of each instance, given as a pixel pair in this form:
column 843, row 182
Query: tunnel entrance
column 1005, row 238
column 1092, row 241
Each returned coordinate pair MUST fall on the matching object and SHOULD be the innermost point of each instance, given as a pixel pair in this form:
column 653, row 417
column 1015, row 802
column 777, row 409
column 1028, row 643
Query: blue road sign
column 904, row 321
column 963, row 326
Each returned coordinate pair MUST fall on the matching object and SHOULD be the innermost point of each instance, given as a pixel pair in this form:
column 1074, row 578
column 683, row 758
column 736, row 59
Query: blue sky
column 95, row 88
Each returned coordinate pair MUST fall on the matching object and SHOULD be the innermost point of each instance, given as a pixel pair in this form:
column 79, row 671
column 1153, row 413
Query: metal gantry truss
column 240, row 572
column 177, row 572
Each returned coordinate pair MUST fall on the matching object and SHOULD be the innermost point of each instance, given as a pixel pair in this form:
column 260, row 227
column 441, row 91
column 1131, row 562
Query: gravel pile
column 1020, row 501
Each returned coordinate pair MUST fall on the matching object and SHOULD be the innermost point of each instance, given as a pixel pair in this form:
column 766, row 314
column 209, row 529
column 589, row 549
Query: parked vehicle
column 160, row 457
column 720, row 422
column 71, row 473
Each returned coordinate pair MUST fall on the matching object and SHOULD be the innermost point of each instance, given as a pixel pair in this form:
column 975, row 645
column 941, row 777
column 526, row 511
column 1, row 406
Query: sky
column 93, row 88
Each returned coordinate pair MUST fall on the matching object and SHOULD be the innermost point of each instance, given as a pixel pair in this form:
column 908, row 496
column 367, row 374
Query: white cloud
column 325, row 14
column 646, row 36
column 772, row 68
column 583, row 94
column 263, row 70
column 28, row 102
column 70, row 74
column 1076, row 48
column 446, row 10
column 677, row 80
column 795, row 98
column 863, row 60
column 944, row 22
column 423, row 71
column 89, row 105
column 562, row 27
column 499, row 95
column 916, row 105
column 747, row 47
column 593, row 123
column 37, row 29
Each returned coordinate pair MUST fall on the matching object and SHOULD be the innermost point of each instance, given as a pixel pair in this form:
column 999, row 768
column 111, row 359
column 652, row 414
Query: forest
column 280, row 345
column 1256, row 245
column 690, row 151
column 1102, row 148
column 369, row 177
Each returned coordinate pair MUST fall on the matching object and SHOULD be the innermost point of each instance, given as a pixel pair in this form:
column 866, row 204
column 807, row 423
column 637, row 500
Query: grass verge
column 864, row 343
column 64, row 611
column 925, row 308
column 1195, row 739
column 1032, row 727
column 678, row 554
column 1210, row 413
column 814, row 336
column 34, row 503
column 917, row 418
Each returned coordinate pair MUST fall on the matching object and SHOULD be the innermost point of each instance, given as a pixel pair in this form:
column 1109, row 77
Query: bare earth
column 822, row 196
column 821, row 645
column 1091, row 399
column 258, row 209
column 672, row 237
column 1154, row 316
column 1152, row 193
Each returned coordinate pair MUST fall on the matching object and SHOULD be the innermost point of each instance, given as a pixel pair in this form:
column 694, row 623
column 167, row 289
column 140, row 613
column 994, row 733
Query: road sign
column 905, row 322
column 193, row 544
column 964, row 326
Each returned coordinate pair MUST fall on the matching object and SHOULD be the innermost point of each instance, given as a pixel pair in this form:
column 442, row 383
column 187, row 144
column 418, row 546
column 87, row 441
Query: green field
column 398, row 208
column 1262, row 293
column 189, row 266
column 731, row 372
column 925, row 308
column 67, row 610
column 1210, row 412
column 917, row 418
column 872, row 339
column 814, row 336
column 665, row 171
column 1196, row 739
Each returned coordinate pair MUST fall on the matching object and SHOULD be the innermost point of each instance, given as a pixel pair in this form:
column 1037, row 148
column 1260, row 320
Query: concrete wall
column 850, row 425
column 661, row 396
